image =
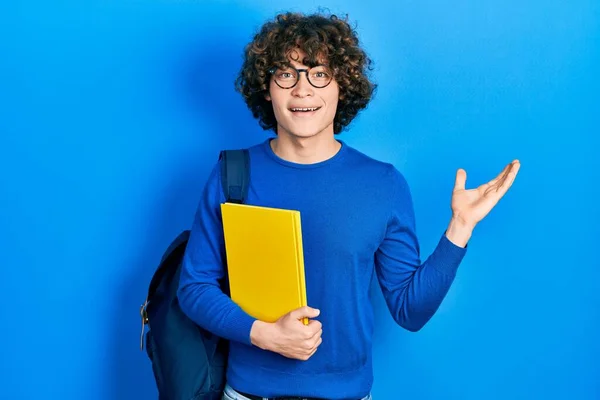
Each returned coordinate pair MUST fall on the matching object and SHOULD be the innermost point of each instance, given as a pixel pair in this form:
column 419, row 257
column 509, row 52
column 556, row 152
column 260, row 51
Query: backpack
column 188, row 362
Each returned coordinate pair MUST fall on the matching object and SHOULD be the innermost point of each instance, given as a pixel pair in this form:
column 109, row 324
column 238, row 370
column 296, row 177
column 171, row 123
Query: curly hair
column 323, row 39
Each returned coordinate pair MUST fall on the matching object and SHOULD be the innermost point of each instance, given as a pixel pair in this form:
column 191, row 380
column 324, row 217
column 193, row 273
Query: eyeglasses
column 318, row 76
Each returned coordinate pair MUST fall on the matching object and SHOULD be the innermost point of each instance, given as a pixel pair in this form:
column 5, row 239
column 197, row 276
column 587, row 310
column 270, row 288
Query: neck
column 305, row 150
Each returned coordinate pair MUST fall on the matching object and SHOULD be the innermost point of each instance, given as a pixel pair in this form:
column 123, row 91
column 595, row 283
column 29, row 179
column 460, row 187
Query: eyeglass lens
column 318, row 76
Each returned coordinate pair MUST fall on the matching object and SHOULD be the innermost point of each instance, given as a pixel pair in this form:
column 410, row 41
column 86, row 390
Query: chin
column 307, row 132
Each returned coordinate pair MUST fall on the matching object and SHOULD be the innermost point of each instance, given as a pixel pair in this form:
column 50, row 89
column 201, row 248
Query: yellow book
column 265, row 259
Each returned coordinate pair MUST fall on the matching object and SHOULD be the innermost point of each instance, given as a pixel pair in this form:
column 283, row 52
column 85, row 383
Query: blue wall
column 111, row 114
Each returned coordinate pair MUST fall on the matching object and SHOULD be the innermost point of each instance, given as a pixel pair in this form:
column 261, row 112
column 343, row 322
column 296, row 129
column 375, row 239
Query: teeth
column 305, row 109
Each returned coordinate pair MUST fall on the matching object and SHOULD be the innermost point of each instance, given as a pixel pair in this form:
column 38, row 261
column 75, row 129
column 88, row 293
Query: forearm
column 210, row 308
column 431, row 282
column 414, row 290
column 422, row 297
column 415, row 294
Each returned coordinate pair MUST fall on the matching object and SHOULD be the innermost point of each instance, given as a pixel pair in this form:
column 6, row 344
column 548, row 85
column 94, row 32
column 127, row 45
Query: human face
column 300, row 124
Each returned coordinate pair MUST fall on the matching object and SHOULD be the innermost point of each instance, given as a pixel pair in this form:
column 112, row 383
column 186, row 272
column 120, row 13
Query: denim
column 230, row 394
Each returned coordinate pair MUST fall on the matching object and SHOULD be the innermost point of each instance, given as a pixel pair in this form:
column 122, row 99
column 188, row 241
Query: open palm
column 472, row 205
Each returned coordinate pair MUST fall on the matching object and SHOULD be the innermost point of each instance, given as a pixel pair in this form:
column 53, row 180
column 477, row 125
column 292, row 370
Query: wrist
column 459, row 231
column 260, row 334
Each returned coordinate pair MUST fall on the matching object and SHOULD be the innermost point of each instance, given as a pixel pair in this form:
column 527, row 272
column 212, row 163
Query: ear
column 267, row 97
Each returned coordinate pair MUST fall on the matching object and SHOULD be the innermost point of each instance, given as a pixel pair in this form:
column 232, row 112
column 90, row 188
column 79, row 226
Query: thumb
column 461, row 178
column 305, row 311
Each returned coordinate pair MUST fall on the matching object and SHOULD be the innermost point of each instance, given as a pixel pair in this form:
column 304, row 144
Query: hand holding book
column 289, row 335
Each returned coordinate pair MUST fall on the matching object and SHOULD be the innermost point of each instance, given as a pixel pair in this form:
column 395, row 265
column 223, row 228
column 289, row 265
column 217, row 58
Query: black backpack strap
column 235, row 174
column 235, row 179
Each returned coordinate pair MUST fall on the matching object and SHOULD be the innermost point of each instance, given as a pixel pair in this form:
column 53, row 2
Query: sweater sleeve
column 204, row 267
column 412, row 290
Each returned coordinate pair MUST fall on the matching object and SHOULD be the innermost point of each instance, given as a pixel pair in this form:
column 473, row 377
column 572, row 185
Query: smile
column 301, row 112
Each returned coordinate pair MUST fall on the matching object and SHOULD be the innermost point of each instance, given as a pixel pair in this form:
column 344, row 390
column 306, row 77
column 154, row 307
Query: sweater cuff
column 240, row 326
column 447, row 256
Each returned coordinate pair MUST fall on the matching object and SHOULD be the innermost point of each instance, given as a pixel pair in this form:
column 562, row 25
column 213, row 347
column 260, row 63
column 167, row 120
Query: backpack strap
column 235, row 174
column 235, row 179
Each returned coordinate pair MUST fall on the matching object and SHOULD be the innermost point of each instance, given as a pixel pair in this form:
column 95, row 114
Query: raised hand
column 469, row 206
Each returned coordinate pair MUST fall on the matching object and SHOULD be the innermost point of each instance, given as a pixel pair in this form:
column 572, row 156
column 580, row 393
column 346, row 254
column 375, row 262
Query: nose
column 303, row 88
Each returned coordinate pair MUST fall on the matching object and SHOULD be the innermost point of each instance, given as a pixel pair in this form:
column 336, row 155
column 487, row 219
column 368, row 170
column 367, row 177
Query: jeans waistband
column 232, row 394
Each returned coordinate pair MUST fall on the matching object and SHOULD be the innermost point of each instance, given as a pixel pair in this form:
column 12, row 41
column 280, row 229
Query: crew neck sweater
column 358, row 224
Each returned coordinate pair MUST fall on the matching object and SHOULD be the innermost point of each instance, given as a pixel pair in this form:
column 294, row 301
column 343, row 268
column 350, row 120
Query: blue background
column 112, row 113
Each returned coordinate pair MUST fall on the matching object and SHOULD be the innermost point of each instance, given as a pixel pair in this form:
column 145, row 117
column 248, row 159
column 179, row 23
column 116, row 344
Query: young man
column 304, row 77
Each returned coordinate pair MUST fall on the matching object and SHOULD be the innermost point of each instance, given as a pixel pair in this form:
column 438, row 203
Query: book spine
column 300, row 262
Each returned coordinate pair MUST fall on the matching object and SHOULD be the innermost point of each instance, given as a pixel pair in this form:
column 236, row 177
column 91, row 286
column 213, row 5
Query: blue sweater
column 357, row 224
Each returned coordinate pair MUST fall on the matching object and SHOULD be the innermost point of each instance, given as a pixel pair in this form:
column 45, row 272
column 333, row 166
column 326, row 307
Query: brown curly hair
column 323, row 39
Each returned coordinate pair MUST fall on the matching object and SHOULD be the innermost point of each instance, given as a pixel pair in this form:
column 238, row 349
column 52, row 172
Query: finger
column 509, row 177
column 510, row 167
column 310, row 343
column 498, row 181
column 500, row 176
column 312, row 335
column 309, row 353
column 303, row 312
column 516, row 165
column 314, row 350
column 460, row 180
column 314, row 325
column 501, row 190
column 509, row 180
column 316, row 341
column 498, row 184
column 312, row 332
